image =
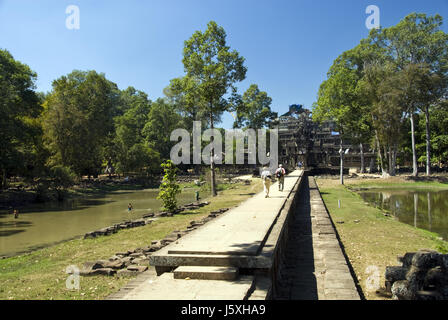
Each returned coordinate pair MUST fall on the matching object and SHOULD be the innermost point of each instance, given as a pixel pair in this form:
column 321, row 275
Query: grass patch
column 41, row 274
column 369, row 237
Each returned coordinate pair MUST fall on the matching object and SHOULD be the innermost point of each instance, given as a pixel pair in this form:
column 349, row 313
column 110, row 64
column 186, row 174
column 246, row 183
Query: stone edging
column 146, row 219
column 136, row 261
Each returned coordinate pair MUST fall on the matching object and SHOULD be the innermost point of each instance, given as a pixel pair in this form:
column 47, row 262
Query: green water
column 419, row 208
column 40, row 225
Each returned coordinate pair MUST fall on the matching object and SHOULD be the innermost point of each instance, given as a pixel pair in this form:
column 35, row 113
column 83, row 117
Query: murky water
column 39, row 225
column 419, row 208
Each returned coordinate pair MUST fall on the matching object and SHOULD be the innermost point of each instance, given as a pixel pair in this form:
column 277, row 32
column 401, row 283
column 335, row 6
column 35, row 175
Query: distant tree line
column 390, row 92
column 86, row 125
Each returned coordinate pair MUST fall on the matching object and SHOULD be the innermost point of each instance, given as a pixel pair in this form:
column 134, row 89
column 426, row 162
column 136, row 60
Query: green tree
column 253, row 109
column 129, row 149
column 181, row 93
column 417, row 40
column 439, row 133
column 216, row 69
column 78, row 120
column 19, row 109
column 162, row 120
column 341, row 100
column 383, row 85
column 169, row 188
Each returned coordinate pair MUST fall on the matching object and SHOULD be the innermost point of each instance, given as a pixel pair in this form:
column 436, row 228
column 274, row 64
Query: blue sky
column 288, row 45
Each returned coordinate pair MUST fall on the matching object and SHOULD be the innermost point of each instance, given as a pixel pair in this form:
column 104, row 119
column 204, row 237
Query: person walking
column 280, row 175
column 130, row 207
column 16, row 214
column 266, row 177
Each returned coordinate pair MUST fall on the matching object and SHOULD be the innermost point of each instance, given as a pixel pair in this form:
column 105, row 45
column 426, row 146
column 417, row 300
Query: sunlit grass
column 369, row 237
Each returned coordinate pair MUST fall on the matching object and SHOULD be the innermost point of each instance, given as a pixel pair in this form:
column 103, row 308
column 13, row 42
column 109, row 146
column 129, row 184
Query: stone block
column 117, row 264
column 137, row 268
column 402, row 291
column 394, row 273
column 425, row 260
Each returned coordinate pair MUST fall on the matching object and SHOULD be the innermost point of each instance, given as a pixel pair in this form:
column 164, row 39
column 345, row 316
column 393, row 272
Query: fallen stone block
column 99, row 264
column 90, row 235
column 137, row 268
column 394, row 273
column 406, row 260
column 156, row 246
column 167, row 241
column 114, row 258
column 127, row 261
column 401, row 290
column 425, row 260
column 149, row 215
column 141, row 261
column 103, row 271
column 122, row 254
column 117, row 264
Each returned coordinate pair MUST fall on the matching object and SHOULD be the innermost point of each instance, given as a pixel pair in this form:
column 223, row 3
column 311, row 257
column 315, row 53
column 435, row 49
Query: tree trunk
column 428, row 143
column 361, row 150
column 372, row 163
column 414, row 153
column 380, row 153
column 341, row 151
column 212, row 163
column 394, row 161
column 391, row 168
column 386, row 160
column 4, row 182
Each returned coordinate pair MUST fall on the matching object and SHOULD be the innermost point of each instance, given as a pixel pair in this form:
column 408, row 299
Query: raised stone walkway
column 245, row 239
column 314, row 266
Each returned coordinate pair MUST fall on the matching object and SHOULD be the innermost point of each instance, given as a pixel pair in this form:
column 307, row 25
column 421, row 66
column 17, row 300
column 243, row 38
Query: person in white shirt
column 280, row 175
column 266, row 177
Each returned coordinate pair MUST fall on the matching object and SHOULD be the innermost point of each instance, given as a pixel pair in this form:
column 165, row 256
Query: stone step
column 206, row 273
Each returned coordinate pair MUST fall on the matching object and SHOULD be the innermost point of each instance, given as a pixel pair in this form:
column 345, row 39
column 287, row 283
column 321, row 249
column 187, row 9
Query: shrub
column 169, row 187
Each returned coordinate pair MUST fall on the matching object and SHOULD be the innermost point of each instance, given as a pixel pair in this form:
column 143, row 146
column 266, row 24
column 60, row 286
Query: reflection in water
column 422, row 209
column 42, row 224
column 415, row 209
column 428, row 198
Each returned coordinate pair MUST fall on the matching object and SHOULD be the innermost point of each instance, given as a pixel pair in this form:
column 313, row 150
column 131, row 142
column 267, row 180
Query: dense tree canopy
column 78, row 118
column 253, row 109
column 381, row 86
column 19, row 109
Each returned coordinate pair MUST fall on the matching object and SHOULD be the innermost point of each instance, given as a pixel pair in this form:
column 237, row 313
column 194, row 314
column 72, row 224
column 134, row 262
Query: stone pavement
column 235, row 238
column 314, row 266
column 165, row 287
column 246, row 238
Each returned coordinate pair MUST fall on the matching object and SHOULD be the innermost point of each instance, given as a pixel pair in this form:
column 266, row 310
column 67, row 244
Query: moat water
column 420, row 208
column 40, row 225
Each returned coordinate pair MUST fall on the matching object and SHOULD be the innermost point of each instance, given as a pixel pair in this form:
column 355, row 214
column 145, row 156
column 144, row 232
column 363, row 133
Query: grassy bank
column 41, row 274
column 437, row 182
column 369, row 237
